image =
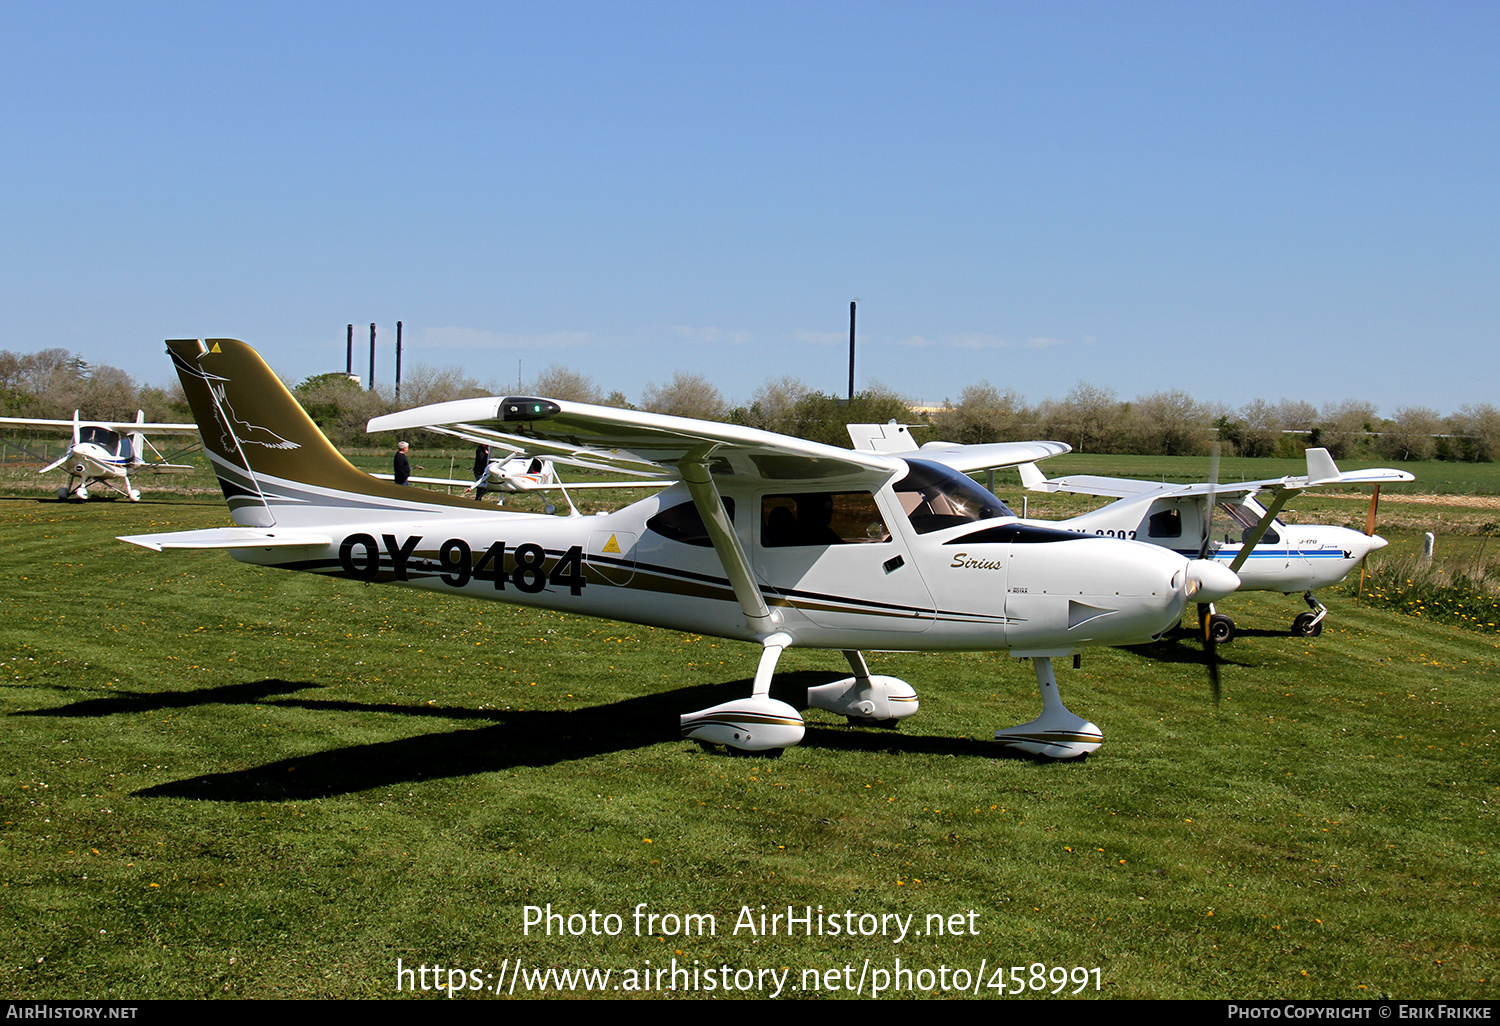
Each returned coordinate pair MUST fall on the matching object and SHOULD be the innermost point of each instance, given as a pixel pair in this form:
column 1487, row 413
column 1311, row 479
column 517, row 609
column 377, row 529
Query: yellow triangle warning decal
column 611, row 546
column 215, row 349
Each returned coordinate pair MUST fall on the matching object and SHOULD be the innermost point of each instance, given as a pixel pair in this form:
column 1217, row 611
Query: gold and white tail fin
column 275, row 467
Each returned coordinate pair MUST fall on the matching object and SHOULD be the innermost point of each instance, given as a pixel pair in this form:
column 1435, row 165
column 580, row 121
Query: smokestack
column 372, row 356
column 349, row 354
column 851, row 350
column 398, row 359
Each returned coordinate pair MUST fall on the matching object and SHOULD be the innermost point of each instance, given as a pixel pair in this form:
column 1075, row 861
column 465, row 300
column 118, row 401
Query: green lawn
column 219, row 780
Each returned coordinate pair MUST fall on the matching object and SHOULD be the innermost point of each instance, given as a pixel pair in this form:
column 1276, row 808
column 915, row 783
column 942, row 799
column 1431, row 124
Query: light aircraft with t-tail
column 760, row 537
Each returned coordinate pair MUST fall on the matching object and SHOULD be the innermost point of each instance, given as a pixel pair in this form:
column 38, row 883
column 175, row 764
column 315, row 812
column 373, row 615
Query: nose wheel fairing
column 1057, row 733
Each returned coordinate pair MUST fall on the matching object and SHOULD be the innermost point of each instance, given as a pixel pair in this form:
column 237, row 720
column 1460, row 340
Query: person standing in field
column 402, row 464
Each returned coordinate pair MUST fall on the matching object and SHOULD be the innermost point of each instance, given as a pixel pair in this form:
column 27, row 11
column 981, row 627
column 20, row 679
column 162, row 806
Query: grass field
column 219, row 780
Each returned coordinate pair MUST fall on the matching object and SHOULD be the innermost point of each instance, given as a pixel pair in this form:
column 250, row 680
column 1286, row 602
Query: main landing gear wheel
column 865, row 700
column 1307, row 625
column 765, row 726
column 1222, row 628
column 760, row 723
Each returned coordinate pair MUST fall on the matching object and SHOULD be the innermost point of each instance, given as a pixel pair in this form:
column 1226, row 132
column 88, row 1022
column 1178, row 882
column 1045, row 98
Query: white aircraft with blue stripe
column 1267, row 553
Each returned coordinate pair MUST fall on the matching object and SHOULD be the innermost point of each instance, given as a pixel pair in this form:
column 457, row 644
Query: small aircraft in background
column 760, row 537
column 517, row 472
column 1267, row 553
column 107, row 452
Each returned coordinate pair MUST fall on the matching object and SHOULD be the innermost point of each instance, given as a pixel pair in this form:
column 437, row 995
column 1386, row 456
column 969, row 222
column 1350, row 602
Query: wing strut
column 1259, row 531
column 700, row 485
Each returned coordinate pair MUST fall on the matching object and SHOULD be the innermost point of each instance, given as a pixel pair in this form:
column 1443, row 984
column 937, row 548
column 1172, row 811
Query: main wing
column 1321, row 472
column 633, row 441
column 694, row 452
column 119, row 426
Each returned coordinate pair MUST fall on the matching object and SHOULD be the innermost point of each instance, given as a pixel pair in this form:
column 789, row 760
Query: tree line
column 54, row 382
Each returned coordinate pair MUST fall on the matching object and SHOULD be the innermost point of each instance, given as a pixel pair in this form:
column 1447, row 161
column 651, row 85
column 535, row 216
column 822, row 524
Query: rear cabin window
column 1165, row 524
column 682, row 523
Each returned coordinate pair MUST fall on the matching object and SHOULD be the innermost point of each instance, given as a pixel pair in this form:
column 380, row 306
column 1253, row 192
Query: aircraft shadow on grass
column 512, row 738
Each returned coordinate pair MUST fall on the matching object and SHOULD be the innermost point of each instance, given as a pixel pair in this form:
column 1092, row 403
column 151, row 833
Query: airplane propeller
column 1211, row 657
column 1205, row 535
column 1205, row 608
column 1369, row 533
column 1211, row 581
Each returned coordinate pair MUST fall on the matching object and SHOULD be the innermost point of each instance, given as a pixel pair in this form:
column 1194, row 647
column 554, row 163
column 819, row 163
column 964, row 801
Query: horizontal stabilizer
column 970, row 459
column 895, row 440
column 228, row 538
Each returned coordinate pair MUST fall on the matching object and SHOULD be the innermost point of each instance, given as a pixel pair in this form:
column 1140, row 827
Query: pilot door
column 832, row 557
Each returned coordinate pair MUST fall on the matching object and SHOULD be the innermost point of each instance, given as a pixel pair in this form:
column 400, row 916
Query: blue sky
column 1236, row 200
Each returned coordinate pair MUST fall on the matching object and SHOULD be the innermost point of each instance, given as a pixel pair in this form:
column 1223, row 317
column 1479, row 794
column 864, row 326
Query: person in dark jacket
column 481, row 465
column 403, row 465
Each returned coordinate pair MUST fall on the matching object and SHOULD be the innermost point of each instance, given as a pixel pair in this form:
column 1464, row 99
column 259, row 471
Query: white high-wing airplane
column 514, row 472
column 107, row 452
column 1267, row 553
column 762, row 538
column 517, row 472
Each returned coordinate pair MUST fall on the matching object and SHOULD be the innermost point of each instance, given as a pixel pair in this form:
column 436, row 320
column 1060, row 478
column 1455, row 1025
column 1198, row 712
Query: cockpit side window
column 934, row 497
column 1247, row 518
column 820, row 518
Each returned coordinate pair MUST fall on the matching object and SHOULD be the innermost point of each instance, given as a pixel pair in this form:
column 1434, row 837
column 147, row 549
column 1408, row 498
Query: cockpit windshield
column 934, row 497
column 111, row 442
